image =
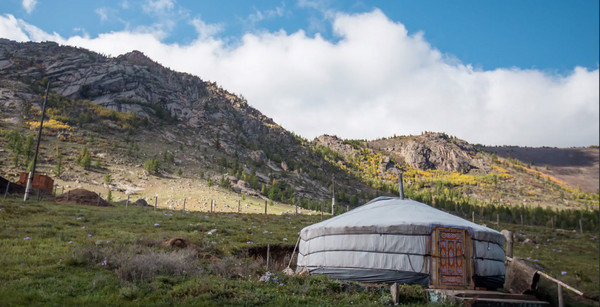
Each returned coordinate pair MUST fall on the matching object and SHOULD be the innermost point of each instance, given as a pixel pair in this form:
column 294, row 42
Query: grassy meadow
column 60, row 254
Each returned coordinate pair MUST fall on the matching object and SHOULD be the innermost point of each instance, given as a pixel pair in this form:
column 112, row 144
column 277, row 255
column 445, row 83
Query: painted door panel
column 451, row 258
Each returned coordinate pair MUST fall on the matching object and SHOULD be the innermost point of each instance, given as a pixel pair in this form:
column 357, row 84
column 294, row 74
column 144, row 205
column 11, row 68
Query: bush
column 84, row 159
column 235, row 268
column 143, row 267
column 107, row 179
column 135, row 262
column 151, row 165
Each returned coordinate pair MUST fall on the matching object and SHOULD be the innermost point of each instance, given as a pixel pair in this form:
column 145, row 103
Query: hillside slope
column 578, row 167
column 116, row 104
column 128, row 110
column 438, row 165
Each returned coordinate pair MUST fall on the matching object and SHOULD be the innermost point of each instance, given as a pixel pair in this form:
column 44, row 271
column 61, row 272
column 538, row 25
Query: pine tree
column 15, row 144
column 151, row 165
column 58, row 168
column 107, row 179
column 84, row 159
column 28, row 149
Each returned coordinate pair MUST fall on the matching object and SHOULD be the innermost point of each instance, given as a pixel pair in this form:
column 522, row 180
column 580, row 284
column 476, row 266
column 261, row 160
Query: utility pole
column 333, row 196
column 37, row 147
column 400, row 185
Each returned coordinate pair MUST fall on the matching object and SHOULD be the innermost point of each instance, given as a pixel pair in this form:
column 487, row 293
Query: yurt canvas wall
column 401, row 240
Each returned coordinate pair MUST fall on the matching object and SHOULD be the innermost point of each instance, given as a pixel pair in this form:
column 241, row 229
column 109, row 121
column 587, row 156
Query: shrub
column 143, row 267
column 235, row 268
column 151, row 165
column 84, row 159
column 107, row 179
column 135, row 262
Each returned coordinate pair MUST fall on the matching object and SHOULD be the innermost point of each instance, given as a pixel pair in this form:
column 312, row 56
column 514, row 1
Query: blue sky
column 491, row 72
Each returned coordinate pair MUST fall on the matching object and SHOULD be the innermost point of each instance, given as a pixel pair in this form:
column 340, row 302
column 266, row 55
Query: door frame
column 436, row 282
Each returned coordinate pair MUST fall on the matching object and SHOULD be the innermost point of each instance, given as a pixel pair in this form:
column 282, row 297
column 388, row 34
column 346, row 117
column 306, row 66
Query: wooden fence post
column 394, row 291
column 211, row 206
column 265, row 207
column 127, row 202
column 580, row 226
column 155, row 202
column 552, row 221
column 7, row 186
column 473, row 216
column 321, row 210
column 239, row 205
column 497, row 219
column 184, row 200
column 521, row 219
column 560, row 296
column 508, row 236
column 98, row 200
column 68, row 194
column 268, row 255
column 296, row 207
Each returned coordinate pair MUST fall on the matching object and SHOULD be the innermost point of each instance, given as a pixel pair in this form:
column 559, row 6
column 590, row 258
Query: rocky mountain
column 215, row 131
column 141, row 110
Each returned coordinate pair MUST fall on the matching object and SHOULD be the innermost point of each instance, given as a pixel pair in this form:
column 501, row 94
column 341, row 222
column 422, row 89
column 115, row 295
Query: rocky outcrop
column 334, row 143
column 432, row 151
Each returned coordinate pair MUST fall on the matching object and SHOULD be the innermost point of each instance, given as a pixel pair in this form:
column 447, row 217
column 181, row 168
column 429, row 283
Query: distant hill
column 575, row 166
column 127, row 110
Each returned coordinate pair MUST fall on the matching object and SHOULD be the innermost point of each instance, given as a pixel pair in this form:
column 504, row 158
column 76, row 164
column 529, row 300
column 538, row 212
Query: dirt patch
column 175, row 242
column 82, row 197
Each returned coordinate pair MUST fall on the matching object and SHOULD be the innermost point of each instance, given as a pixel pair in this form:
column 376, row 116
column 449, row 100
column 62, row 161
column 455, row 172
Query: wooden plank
column 560, row 283
column 512, row 260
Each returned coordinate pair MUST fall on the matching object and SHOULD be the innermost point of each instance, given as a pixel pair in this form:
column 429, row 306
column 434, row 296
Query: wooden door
column 451, row 265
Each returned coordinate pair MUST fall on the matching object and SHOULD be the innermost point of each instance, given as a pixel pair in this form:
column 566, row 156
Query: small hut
column 41, row 182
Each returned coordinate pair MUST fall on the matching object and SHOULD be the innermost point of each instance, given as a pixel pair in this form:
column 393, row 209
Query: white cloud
column 259, row 16
column 10, row 29
column 102, row 13
column 205, row 30
column 29, row 5
column 376, row 80
column 158, row 6
column 166, row 16
column 19, row 30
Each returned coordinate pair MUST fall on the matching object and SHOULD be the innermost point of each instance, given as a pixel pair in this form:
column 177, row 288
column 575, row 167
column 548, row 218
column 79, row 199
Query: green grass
column 566, row 255
column 81, row 255
column 77, row 255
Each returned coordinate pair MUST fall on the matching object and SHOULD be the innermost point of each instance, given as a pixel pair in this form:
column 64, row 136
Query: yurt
column 392, row 239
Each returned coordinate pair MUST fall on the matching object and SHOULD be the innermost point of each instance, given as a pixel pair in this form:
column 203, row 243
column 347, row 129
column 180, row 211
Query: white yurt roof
column 401, row 216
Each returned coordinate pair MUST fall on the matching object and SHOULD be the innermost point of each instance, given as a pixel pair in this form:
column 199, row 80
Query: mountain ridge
column 214, row 132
